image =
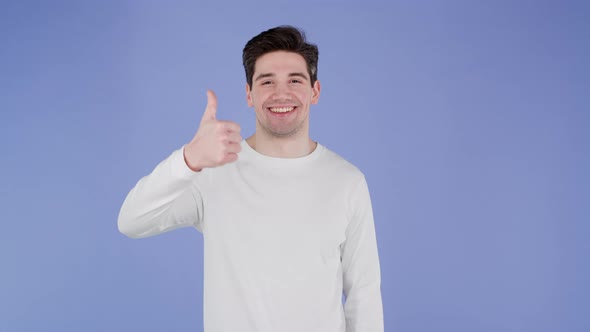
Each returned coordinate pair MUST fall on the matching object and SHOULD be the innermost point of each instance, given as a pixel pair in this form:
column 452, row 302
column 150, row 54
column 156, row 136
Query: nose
column 281, row 91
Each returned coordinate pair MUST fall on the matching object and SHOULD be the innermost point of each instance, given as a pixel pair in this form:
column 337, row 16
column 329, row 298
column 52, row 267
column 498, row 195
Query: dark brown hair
column 281, row 38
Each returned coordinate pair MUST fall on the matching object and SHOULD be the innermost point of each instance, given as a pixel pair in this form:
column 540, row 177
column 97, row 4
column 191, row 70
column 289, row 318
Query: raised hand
column 216, row 142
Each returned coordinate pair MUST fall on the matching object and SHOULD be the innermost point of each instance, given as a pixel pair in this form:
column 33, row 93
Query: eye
column 295, row 81
column 266, row 83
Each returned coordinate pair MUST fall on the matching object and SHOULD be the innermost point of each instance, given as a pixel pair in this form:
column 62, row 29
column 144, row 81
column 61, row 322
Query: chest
column 300, row 220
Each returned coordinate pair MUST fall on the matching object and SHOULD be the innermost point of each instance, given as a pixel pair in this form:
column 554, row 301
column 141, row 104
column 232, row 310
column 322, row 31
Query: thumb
column 211, row 109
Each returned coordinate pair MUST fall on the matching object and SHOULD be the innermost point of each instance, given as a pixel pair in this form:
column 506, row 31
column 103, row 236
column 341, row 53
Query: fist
column 216, row 142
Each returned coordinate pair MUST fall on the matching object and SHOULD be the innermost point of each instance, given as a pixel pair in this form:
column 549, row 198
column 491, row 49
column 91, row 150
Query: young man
column 287, row 224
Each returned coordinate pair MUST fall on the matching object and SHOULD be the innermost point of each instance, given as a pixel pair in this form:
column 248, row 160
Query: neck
column 281, row 147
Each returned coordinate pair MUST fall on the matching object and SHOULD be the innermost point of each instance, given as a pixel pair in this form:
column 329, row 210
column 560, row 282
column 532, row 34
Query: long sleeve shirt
column 284, row 239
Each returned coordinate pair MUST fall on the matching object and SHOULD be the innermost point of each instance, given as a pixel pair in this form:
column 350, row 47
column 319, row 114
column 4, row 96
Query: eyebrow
column 265, row 75
column 302, row 75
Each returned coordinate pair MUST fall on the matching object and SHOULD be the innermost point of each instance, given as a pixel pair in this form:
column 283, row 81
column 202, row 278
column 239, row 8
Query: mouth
column 282, row 110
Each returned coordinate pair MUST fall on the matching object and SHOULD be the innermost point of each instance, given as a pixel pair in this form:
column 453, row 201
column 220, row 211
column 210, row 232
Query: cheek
column 304, row 96
column 253, row 99
column 262, row 97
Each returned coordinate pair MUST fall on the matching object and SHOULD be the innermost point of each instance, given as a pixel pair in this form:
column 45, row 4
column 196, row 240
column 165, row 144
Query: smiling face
column 281, row 94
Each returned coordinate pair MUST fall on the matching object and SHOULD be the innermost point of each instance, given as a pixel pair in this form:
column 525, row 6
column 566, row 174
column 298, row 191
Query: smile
column 281, row 109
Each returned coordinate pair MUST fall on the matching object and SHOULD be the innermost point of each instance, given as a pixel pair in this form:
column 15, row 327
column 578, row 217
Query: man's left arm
column 363, row 307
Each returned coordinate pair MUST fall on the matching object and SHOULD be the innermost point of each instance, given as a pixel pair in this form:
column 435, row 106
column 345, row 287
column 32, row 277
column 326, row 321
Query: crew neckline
column 250, row 153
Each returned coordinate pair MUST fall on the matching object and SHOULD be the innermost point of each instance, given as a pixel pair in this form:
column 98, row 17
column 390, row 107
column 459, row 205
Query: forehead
column 280, row 61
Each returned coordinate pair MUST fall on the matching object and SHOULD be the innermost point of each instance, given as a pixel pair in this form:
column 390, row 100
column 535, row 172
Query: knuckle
column 219, row 158
column 223, row 138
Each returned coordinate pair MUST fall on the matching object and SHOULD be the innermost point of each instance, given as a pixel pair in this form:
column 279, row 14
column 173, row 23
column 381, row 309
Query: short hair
column 281, row 38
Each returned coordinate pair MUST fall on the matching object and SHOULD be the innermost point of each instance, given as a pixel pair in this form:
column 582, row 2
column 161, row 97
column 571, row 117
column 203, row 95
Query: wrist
column 194, row 166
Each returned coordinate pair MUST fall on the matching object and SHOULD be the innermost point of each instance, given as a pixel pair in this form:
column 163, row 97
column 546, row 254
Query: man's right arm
column 169, row 198
column 164, row 200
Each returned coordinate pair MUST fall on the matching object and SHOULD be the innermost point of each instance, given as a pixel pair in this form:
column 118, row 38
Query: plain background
column 469, row 119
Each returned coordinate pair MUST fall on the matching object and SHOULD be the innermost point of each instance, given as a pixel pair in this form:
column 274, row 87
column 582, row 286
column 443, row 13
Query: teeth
column 281, row 109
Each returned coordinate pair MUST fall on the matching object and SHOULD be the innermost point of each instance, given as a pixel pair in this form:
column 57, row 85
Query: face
column 281, row 94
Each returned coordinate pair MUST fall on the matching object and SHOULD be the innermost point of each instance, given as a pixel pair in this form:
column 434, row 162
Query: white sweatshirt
column 283, row 239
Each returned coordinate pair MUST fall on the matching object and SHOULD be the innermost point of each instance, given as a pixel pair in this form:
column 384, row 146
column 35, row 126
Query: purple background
column 469, row 119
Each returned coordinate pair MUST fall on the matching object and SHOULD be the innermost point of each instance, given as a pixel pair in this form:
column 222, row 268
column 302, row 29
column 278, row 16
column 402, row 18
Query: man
column 287, row 224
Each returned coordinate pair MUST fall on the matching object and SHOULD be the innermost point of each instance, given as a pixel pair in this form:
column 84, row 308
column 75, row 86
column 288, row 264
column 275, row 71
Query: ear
column 315, row 92
column 249, row 96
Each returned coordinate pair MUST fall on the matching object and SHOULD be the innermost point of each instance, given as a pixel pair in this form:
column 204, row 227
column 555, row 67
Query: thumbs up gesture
column 216, row 142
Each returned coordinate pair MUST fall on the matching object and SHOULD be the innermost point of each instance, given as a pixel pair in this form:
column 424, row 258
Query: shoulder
column 336, row 165
column 349, row 183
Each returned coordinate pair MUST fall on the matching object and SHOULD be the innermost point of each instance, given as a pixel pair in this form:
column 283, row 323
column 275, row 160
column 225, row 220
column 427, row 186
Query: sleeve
column 166, row 199
column 363, row 306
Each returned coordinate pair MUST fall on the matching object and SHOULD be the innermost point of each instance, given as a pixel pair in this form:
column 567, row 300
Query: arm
column 360, row 265
column 162, row 201
column 169, row 198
